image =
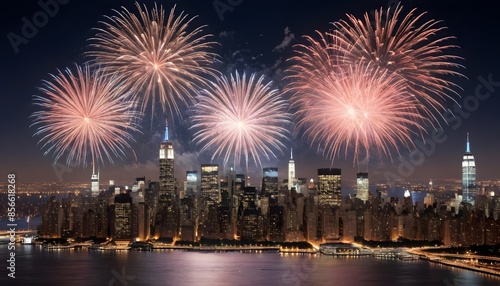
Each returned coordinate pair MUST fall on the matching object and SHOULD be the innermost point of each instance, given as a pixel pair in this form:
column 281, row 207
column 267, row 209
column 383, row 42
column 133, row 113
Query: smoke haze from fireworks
column 157, row 57
column 350, row 107
column 84, row 114
column 240, row 118
column 402, row 46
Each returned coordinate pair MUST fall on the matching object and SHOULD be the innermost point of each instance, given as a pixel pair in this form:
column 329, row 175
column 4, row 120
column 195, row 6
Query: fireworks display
column 83, row 114
column 402, row 46
column 372, row 84
column 157, row 57
column 241, row 117
column 351, row 107
column 369, row 86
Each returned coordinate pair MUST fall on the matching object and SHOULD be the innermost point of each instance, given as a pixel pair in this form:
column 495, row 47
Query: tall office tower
column 224, row 192
column 270, row 181
column 250, row 215
column 191, row 183
column 122, row 218
column 291, row 172
column 239, row 184
column 468, row 175
column 94, row 186
column 166, row 212
column 235, row 185
column 231, row 188
column 329, row 187
column 52, row 218
column 276, row 223
column 210, row 182
column 188, row 218
column 362, row 186
column 167, row 181
column 141, row 225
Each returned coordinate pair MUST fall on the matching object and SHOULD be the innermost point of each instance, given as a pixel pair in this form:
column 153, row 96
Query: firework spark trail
column 83, row 114
column 240, row 117
column 402, row 46
column 157, row 57
column 350, row 107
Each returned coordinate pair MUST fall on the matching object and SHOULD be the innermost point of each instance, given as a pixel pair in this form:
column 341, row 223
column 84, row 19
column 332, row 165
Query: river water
column 38, row 266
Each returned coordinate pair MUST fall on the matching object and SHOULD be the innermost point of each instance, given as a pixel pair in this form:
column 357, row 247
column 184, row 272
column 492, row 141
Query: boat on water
column 28, row 239
column 114, row 247
column 343, row 249
column 141, row 246
column 57, row 246
column 407, row 257
column 110, row 246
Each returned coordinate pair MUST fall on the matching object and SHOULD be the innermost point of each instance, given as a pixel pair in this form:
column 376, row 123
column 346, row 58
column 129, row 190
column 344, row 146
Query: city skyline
column 227, row 208
column 258, row 42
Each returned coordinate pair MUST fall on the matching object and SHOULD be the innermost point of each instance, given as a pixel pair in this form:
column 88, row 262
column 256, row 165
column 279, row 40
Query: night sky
column 255, row 36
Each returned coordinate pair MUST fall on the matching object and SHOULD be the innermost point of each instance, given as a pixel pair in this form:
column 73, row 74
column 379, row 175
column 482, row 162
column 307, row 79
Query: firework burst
column 402, row 46
column 157, row 57
column 241, row 117
column 352, row 107
column 83, row 114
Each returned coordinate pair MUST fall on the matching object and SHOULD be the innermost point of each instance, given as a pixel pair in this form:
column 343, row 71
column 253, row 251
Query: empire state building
column 167, row 181
column 468, row 175
column 166, row 220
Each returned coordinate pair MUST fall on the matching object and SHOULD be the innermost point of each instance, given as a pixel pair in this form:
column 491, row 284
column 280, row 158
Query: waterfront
column 38, row 266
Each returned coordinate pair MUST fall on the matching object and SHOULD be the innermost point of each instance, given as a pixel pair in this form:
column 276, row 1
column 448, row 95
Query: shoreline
column 450, row 263
column 466, row 267
column 423, row 256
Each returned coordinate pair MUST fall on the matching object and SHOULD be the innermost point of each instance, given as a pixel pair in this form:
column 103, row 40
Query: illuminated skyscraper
column 230, row 181
column 468, row 175
column 167, row 181
column 362, row 186
column 270, row 181
column 291, row 172
column 210, row 182
column 122, row 210
column 239, row 184
column 329, row 186
column 166, row 214
column 191, row 183
column 94, row 184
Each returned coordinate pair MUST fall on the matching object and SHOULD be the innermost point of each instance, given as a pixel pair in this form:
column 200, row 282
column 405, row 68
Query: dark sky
column 256, row 28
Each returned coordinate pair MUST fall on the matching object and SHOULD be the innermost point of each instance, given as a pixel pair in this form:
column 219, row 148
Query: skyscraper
column 468, row 175
column 210, row 182
column 291, row 172
column 167, row 216
column 122, row 227
column 191, row 183
column 270, row 181
column 167, row 181
column 329, row 186
column 239, row 184
column 362, row 186
column 94, row 184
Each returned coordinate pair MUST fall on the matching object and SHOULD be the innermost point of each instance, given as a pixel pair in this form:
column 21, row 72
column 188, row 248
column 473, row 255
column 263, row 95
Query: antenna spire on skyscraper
column 166, row 131
column 468, row 144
